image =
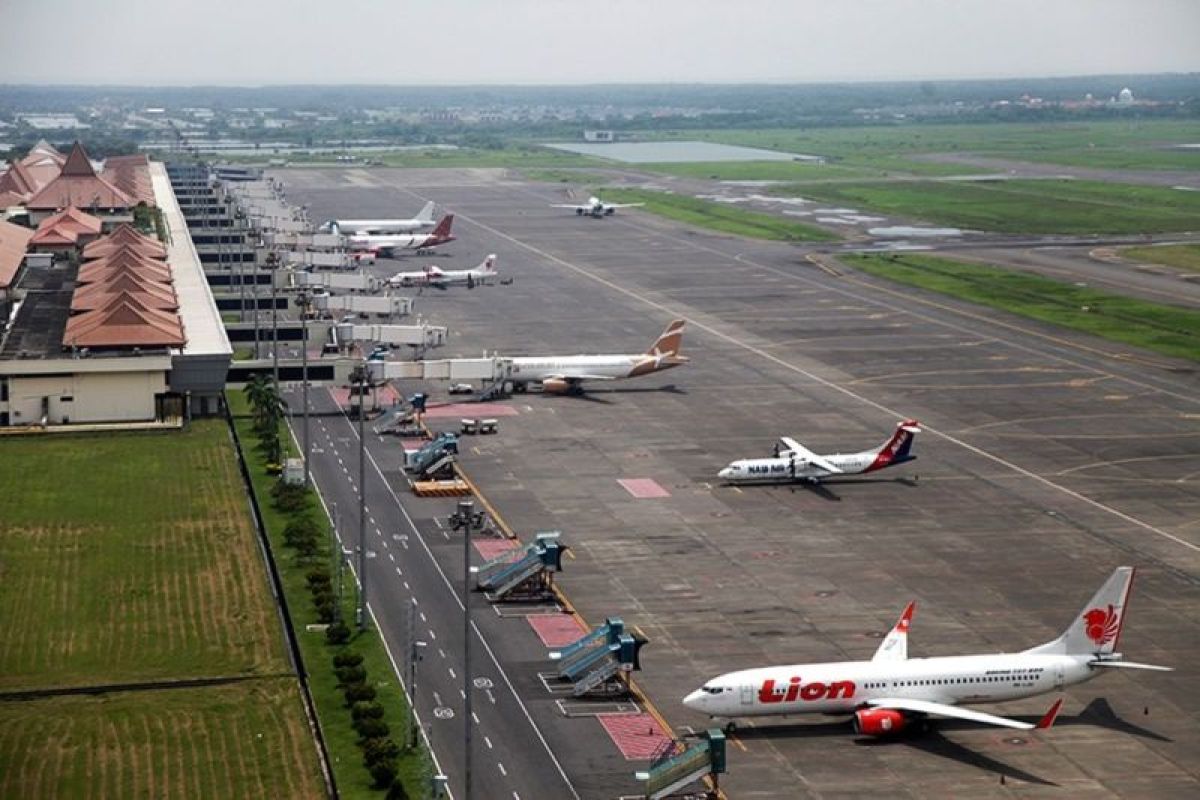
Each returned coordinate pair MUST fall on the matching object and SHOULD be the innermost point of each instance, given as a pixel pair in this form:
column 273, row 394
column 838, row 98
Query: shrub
column 301, row 529
column 396, row 791
column 359, row 692
column 347, row 659
column 318, row 576
column 326, row 611
column 350, row 675
column 367, row 711
column 338, row 633
column 371, row 728
column 375, row 750
column 289, row 498
column 384, row 773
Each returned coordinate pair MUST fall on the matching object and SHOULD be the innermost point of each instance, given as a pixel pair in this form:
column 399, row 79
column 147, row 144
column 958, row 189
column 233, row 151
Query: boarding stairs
column 523, row 573
column 600, row 658
column 678, row 766
column 434, row 457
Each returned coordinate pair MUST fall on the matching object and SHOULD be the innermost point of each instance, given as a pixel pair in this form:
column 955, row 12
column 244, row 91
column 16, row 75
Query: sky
column 432, row 42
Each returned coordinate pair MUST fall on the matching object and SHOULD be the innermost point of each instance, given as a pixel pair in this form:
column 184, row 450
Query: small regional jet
column 386, row 245
column 794, row 462
column 359, row 227
column 440, row 278
column 595, row 207
column 566, row 374
column 891, row 692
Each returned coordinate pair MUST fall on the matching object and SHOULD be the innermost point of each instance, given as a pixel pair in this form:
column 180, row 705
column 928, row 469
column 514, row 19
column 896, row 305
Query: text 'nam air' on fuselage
column 367, row 227
column 795, row 462
column 566, row 374
column 891, row 690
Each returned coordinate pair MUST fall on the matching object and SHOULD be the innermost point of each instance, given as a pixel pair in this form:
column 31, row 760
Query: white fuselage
column 395, row 241
column 444, row 278
column 785, row 468
column 533, row 369
column 844, row 687
column 366, row 227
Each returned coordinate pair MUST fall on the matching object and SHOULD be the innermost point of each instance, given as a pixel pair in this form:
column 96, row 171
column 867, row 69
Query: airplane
column 595, row 207
column 566, row 374
column 440, row 278
column 891, row 691
column 352, row 227
column 794, row 462
column 386, row 245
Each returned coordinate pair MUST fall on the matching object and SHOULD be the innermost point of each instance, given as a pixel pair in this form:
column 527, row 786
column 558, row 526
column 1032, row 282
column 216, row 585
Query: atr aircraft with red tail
column 795, row 462
column 891, row 691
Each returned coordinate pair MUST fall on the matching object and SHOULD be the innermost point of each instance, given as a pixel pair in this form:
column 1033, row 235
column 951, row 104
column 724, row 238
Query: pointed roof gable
column 14, row 239
column 125, row 235
column 78, row 164
column 43, row 163
column 79, row 185
column 102, row 295
column 106, row 269
column 73, row 218
column 125, row 324
column 44, row 149
column 18, row 180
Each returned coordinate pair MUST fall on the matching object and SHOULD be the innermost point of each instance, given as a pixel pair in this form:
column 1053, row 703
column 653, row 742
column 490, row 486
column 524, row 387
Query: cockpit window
column 711, row 689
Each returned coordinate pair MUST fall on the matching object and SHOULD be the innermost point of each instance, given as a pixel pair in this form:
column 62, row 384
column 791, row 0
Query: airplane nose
column 694, row 700
column 726, row 473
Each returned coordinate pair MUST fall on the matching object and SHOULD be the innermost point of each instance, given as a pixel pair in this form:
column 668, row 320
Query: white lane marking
column 432, row 635
column 500, row 766
column 423, row 619
column 474, row 716
column 487, row 741
column 491, row 696
column 406, row 586
column 441, row 652
column 392, row 556
column 849, row 392
column 451, row 670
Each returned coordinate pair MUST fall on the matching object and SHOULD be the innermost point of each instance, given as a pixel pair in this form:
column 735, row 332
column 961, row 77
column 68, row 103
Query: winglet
column 1051, row 715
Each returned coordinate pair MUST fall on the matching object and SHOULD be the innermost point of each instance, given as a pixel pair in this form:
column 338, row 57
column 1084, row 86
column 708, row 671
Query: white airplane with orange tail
column 795, row 462
column 566, row 374
column 388, row 244
column 891, row 691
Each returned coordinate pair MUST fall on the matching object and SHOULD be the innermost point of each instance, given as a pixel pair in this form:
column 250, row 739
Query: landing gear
column 730, row 727
column 520, row 388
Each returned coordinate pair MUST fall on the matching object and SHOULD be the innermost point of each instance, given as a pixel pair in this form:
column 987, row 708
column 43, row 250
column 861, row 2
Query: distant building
column 599, row 136
column 1125, row 97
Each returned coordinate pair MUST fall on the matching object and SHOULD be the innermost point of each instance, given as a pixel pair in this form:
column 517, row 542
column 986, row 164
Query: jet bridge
column 525, row 573
column 388, row 305
column 600, row 660
column 678, row 766
column 336, row 281
column 421, row 336
column 313, row 258
column 494, row 370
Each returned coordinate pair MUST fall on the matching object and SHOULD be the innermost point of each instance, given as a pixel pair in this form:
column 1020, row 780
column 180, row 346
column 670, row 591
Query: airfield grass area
column 244, row 740
column 1110, row 144
column 341, row 739
column 1021, row 206
column 1168, row 330
column 761, row 170
column 718, row 216
column 130, row 557
column 1184, row 257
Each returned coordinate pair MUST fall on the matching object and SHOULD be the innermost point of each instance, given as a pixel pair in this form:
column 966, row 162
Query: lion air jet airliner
column 795, row 462
column 566, row 374
column 892, row 691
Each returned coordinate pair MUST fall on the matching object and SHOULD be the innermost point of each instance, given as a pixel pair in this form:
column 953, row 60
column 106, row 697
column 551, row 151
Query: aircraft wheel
column 730, row 727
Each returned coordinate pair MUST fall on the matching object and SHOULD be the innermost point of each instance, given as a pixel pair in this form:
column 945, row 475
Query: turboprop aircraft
column 566, row 374
column 595, row 207
column 891, row 691
column 386, row 245
column 440, row 278
column 795, row 462
column 352, row 227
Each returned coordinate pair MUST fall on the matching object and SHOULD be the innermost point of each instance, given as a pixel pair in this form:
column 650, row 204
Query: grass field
column 352, row 779
column 718, row 216
column 1169, row 330
column 1183, row 257
column 1034, row 207
column 130, row 557
column 243, row 740
column 1128, row 144
column 761, row 170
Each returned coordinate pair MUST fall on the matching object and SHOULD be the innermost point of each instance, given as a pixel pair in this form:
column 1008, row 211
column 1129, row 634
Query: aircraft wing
column 809, row 455
column 580, row 376
column 623, row 205
column 943, row 710
column 567, row 205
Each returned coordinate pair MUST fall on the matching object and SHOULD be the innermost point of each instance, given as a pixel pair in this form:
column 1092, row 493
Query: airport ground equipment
column 399, row 420
column 601, row 659
column 388, row 305
column 481, row 426
column 682, row 764
column 435, row 457
column 525, row 573
column 443, row 488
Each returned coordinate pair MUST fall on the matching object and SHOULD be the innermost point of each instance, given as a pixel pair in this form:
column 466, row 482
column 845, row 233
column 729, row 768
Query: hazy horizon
column 177, row 43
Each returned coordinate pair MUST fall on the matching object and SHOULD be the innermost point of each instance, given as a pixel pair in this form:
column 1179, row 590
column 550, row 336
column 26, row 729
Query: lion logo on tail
column 1101, row 625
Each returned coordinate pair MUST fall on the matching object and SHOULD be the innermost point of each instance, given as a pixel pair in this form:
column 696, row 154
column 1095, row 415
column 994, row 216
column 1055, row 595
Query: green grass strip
column 353, row 780
column 1185, row 257
column 1168, row 330
column 718, row 216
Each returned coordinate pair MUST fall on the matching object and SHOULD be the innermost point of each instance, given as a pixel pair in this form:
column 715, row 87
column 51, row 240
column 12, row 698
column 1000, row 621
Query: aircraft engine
column 556, row 386
column 878, row 722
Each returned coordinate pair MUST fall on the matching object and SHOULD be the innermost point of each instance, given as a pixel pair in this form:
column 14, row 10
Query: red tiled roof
column 123, row 262
column 130, row 174
column 18, row 181
column 65, row 228
column 125, row 235
column 54, row 237
column 104, row 295
column 79, row 185
column 124, row 324
column 14, row 239
column 43, row 163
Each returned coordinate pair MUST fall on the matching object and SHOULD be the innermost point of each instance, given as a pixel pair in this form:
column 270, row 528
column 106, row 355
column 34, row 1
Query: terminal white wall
column 85, row 397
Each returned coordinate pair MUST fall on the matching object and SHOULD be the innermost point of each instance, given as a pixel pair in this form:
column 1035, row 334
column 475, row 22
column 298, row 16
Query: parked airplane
column 891, row 691
column 566, row 374
column 440, row 278
column 359, row 227
column 386, row 245
column 795, row 462
column 595, row 207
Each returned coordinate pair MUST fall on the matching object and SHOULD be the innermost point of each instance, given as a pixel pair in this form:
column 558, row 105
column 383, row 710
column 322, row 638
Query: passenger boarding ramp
column 493, row 372
column 335, row 282
column 386, row 305
column 523, row 573
column 681, row 764
column 434, row 459
column 421, row 337
column 601, row 660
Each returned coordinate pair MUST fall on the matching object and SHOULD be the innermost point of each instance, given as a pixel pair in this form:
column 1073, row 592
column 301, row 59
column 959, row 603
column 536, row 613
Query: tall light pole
column 361, row 614
column 303, row 300
column 414, row 655
column 463, row 519
column 273, row 264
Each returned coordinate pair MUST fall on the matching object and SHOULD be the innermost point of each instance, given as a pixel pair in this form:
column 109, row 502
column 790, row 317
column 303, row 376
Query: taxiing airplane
column 360, row 227
column 566, row 374
column 595, row 207
column 386, row 245
column 892, row 691
column 795, row 462
column 440, row 278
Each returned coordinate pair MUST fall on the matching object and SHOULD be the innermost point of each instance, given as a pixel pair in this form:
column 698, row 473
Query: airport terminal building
column 105, row 323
